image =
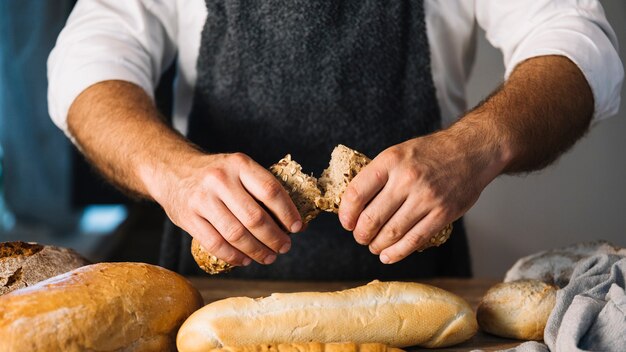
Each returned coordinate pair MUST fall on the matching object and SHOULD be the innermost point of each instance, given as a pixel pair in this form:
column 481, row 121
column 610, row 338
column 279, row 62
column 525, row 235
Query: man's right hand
column 226, row 201
column 229, row 202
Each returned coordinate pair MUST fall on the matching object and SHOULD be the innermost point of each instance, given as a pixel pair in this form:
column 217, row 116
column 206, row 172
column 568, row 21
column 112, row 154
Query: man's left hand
column 412, row 190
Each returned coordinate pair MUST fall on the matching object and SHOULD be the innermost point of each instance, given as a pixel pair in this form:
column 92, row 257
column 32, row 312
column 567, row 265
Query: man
column 262, row 79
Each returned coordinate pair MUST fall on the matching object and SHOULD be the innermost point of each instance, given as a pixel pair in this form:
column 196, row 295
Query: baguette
column 397, row 314
column 99, row 307
column 310, row 347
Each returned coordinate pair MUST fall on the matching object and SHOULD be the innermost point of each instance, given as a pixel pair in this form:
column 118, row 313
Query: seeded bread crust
column 301, row 187
column 207, row 261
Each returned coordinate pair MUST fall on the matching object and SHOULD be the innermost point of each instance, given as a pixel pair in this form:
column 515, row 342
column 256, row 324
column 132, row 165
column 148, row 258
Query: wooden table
column 470, row 289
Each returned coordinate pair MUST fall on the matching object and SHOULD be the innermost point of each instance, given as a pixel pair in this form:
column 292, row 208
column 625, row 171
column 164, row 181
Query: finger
column 214, row 244
column 360, row 191
column 263, row 186
column 377, row 212
column 235, row 233
column 415, row 239
column 409, row 214
column 256, row 220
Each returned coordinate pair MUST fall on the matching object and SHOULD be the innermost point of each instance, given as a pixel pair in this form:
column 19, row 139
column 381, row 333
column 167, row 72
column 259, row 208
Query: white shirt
column 135, row 40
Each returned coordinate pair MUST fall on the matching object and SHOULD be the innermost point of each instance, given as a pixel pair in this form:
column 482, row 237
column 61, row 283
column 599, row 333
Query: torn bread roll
column 310, row 347
column 345, row 164
column 518, row 309
column 99, row 307
column 397, row 314
column 302, row 189
column 310, row 196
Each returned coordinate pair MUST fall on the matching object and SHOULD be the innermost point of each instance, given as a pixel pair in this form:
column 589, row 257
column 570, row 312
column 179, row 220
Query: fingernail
column 362, row 239
column 269, row 259
column 384, row 259
column 346, row 223
column 247, row 261
column 285, row 248
column 297, row 226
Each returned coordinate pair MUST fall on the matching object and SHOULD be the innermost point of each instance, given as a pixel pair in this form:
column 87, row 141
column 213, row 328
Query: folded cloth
column 590, row 312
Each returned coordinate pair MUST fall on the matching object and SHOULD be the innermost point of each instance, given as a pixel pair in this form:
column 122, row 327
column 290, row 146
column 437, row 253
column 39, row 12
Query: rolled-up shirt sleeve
column 578, row 30
column 130, row 40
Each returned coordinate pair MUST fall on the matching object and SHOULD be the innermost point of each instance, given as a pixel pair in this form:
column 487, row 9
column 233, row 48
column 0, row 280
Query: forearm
column 215, row 198
column 541, row 111
column 120, row 131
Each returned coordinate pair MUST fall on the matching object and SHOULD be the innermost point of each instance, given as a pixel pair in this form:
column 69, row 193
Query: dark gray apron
column 299, row 77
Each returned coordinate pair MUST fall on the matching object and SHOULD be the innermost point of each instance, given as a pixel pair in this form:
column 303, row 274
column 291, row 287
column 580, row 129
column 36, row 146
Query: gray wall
column 580, row 198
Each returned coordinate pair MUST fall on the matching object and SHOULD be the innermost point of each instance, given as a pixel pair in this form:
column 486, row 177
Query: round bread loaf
column 24, row 264
column 397, row 314
column 99, row 307
column 518, row 309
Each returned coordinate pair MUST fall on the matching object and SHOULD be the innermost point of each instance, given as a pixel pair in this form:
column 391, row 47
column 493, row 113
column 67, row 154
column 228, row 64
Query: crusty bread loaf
column 302, row 189
column 345, row 164
column 518, row 309
column 25, row 264
column 99, row 307
column 397, row 314
column 555, row 266
column 310, row 347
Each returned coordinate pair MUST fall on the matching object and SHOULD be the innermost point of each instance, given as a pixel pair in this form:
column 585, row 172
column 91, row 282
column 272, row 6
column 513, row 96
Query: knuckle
column 411, row 175
column 413, row 242
column 212, row 245
column 370, row 223
column 351, row 195
column 196, row 200
column 380, row 176
column 231, row 258
column 394, row 233
column 258, row 253
column 393, row 154
column 240, row 158
column 271, row 189
column 445, row 213
column 255, row 218
column 215, row 176
column 235, row 233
